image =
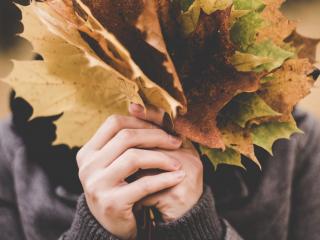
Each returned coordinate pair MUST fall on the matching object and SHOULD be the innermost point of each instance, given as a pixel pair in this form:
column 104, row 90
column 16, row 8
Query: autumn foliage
column 227, row 73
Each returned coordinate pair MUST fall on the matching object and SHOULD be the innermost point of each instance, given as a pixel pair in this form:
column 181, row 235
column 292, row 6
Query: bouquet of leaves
column 227, row 73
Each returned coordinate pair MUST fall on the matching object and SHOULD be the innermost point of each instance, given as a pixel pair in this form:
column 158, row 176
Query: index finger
column 112, row 126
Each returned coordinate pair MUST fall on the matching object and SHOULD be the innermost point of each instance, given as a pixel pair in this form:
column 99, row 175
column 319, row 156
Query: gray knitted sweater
column 39, row 194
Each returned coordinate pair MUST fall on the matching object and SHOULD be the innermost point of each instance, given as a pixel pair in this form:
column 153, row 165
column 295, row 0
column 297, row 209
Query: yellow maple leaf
column 81, row 86
column 73, row 79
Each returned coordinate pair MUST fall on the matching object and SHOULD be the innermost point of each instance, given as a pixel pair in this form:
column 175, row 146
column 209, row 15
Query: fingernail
column 137, row 108
column 180, row 174
column 175, row 140
column 176, row 164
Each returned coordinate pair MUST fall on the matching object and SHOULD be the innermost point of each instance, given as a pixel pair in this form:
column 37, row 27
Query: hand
column 115, row 152
column 174, row 202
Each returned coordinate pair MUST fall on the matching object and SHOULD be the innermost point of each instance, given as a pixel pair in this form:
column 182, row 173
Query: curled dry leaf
column 86, row 91
column 121, row 19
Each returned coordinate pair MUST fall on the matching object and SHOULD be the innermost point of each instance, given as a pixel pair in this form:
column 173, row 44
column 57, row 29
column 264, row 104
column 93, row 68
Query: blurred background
column 305, row 12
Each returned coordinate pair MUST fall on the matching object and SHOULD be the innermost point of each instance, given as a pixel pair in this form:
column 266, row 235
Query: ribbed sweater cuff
column 85, row 226
column 200, row 223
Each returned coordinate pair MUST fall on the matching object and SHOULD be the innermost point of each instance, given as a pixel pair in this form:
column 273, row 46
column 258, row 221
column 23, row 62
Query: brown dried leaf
column 238, row 139
column 289, row 85
column 209, row 80
column 278, row 26
column 306, row 47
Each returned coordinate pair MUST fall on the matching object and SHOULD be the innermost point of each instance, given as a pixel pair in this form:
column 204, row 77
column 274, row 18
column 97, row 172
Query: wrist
column 182, row 207
column 200, row 222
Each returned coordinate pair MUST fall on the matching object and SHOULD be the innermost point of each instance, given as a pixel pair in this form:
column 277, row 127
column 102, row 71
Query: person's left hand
column 174, row 202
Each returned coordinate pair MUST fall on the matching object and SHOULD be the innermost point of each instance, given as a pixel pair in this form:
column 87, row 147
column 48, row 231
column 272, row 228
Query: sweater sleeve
column 10, row 226
column 305, row 208
column 85, row 226
column 202, row 222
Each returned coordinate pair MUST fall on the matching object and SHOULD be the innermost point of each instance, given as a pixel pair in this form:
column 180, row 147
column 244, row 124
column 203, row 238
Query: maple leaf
column 143, row 40
column 218, row 156
column 226, row 74
column 208, row 79
column 261, row 32
column 248, row 4
column 191, row 11
column 12, row 46
column 246, row 62
column 86, row 96
column 277, row 27
column 244, row 30
column 288, row 85
column 264, row 135
column 239, row 139
column 246, row 107
column 306, row 47
column 149, row 24
column 86, row 91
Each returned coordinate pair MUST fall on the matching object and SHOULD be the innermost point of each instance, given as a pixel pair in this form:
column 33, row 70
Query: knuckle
column 132, row 153
column 179, row 195
column 80, row 156
column 126, row 134
column 146, row 186
column 82, row 175
column 85, row 168
column 198, row 167
column 134, row 160
column 91, row 190
column 115, row 121
column 110, row 205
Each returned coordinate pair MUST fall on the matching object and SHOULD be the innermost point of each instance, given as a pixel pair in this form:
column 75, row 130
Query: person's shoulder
column 309, row 142
column 309, row 124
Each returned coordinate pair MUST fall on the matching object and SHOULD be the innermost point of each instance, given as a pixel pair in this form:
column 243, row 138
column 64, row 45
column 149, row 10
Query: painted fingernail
column 175, row 140
column 180, row 174
column 137, row 108
column 176, row 164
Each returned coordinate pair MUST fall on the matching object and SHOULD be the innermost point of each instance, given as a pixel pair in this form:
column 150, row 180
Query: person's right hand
column 115, row 152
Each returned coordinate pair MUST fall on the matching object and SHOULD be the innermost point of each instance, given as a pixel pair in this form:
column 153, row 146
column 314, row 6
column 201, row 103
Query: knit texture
column 85, row 226
column 195, row 224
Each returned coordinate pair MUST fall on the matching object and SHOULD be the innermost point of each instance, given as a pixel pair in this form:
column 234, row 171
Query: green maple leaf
column 266, row 134
column 191, row 10
column 246, row 107
column 248, row 5
column 218, row 156
column 246, row 62
column 269, row 49
column 243, row 31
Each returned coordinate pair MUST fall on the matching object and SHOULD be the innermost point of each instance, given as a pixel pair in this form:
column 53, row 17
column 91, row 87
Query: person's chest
column 257, row 203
